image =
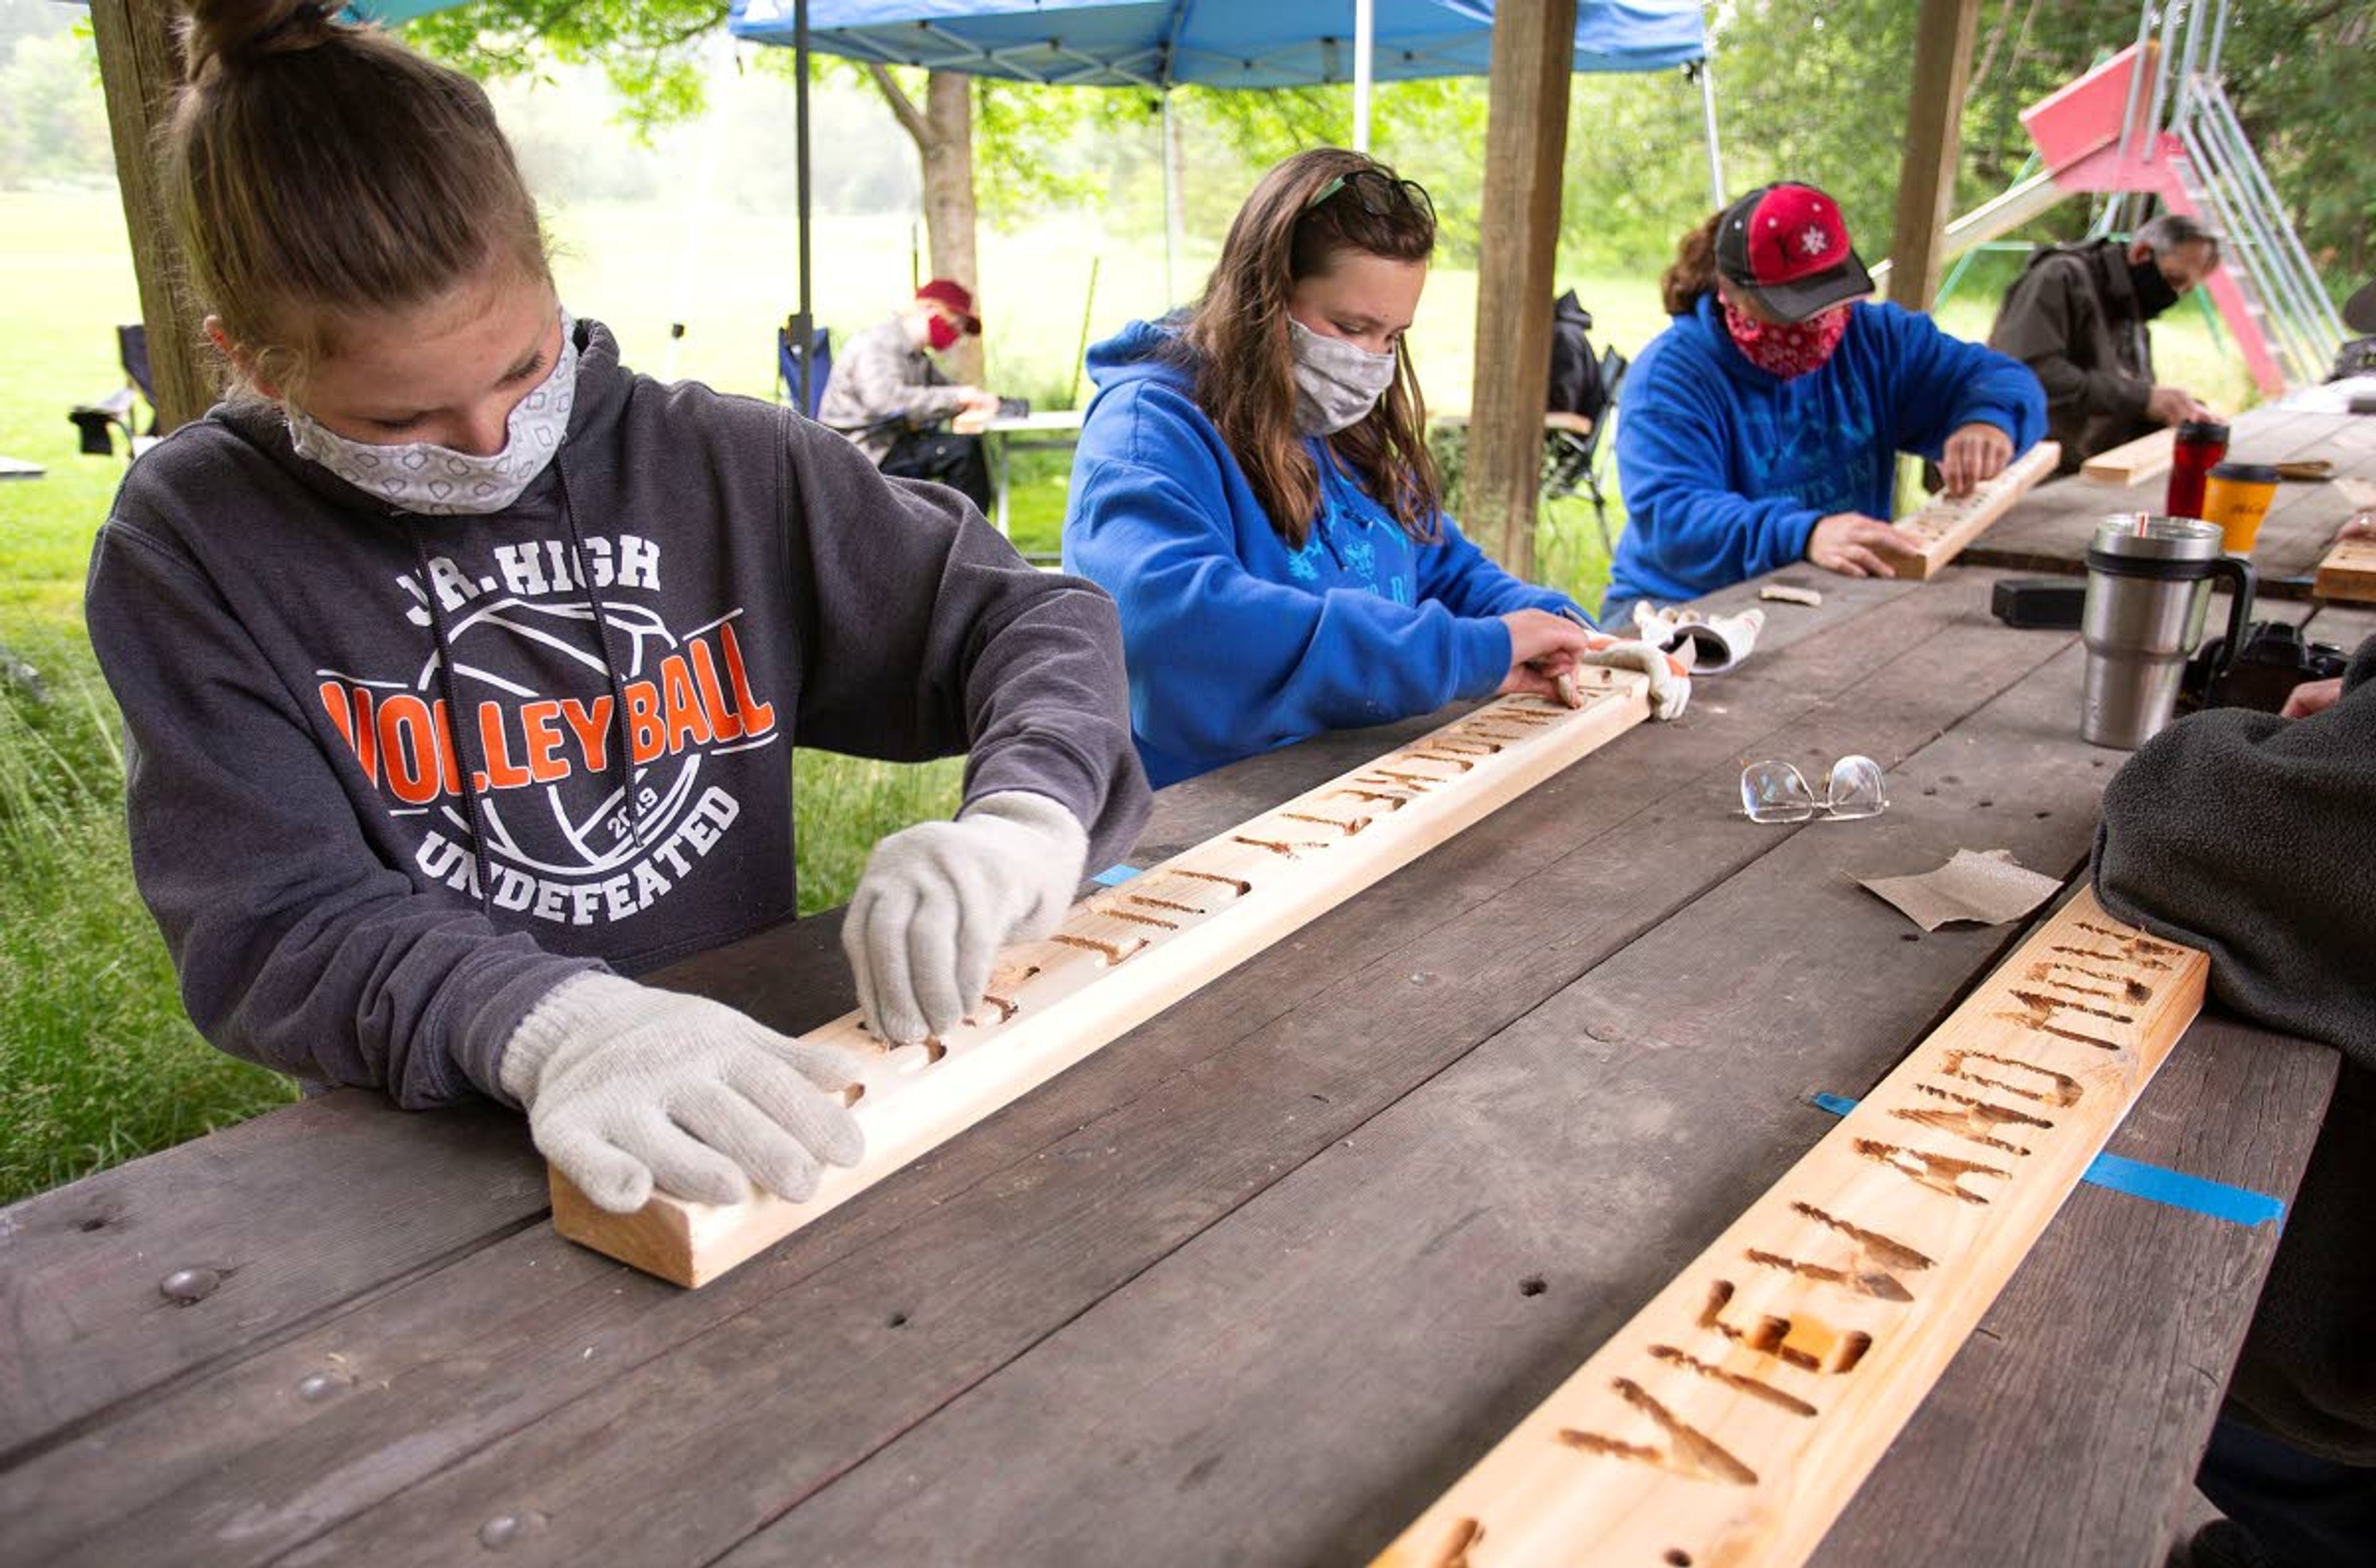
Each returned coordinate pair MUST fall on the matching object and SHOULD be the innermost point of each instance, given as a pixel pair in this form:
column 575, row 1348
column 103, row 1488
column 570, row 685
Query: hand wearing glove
column 1670, row 684
column 940, row 899
column 628, row 1086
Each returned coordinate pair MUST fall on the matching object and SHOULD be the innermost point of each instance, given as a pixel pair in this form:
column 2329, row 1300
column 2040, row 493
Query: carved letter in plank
column 1732, row 1420
column 1125, row 955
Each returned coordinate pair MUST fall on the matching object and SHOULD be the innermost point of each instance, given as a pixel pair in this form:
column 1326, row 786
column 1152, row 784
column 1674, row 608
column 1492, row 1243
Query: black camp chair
column 1571, row 460
column 97, row 421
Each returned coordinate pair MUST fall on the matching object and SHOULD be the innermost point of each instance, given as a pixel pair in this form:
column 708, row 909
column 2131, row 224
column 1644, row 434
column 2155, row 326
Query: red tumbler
column 2201, row 443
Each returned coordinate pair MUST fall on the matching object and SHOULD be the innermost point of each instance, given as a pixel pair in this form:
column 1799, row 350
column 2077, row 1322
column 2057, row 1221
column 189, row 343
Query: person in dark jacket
column 2247, row 836
column 461, row 667
column 2077, row 317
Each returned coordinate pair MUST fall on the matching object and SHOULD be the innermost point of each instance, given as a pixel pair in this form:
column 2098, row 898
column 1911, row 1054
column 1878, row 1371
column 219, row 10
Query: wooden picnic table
column 1251, row 1285
column 2050, row 528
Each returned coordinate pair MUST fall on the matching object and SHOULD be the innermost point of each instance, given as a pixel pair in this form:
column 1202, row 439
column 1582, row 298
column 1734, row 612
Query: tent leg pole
column 1170, row 199
column 803, row 333
column 1365, row 32
column 1706, row 71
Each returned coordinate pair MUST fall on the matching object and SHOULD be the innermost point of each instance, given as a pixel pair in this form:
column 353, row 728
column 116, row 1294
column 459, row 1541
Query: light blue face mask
column 1336, row 383
column 419, row 476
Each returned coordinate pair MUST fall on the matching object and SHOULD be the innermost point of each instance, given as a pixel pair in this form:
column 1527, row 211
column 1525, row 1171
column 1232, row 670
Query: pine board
column 1734, row 1419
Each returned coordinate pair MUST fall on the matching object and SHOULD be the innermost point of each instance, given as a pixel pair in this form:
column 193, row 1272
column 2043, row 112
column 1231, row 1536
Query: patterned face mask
column 418, row 476
column 1336, row 383
column 1786, row 349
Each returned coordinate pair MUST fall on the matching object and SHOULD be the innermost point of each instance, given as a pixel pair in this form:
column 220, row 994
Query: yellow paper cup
column 2236, row 497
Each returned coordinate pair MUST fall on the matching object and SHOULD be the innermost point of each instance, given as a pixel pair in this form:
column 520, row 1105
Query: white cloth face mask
column 1336, row 383
column 420, row 476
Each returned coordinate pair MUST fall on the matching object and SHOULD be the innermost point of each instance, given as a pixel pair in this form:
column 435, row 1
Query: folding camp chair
column 98, row 420
column 789, row 360
column 1571, row 455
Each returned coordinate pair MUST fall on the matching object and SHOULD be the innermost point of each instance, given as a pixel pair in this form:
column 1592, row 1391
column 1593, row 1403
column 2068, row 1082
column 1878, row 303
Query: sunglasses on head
column 1380, row 195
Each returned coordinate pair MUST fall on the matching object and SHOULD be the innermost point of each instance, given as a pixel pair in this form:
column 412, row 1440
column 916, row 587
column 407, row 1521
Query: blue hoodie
column 1236, row 644
column 1726, row 468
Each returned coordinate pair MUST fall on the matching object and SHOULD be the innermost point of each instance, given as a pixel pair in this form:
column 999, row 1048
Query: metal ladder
column 2213, row 169
column 2223, row 176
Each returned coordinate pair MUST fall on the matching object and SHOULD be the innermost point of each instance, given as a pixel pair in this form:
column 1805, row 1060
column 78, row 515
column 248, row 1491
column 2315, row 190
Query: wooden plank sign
column 1124, row 955
column 1946, row 525
column 2349, row 570
column 2137, row 461
column 1733, row 1417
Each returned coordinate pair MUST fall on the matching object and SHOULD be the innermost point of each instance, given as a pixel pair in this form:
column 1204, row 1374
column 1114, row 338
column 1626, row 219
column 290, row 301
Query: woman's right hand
column 1543, row 646
column 1857, row 546
column 628, row 1087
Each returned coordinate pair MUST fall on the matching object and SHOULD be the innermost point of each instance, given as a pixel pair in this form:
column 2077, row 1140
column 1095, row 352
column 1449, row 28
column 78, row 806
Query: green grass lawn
column 97, row 1062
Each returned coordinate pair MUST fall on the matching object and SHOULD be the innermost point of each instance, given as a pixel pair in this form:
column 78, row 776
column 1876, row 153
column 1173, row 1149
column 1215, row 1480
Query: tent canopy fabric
column 1240, row 43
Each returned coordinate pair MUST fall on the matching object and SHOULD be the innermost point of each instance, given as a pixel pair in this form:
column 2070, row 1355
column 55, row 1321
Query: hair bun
column 233, row 32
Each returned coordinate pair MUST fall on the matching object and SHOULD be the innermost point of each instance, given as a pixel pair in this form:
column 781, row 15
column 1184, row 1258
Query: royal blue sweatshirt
column 1726, row 468
column 1236, row 644
column 393, row 778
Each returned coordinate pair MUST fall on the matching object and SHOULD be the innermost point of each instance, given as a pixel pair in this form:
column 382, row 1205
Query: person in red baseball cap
column 1762, row 426
column 887, row 395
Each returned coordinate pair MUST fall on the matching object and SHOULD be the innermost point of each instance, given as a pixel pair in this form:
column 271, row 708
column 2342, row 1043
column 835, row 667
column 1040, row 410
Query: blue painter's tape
column 2239, row 1205
column 2179, row 1189
column 1114, row 876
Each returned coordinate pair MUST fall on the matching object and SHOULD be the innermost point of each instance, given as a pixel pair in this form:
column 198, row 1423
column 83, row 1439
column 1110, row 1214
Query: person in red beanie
column 887, row 395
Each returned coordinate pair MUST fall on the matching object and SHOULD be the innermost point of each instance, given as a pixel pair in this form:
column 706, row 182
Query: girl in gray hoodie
column 461, row 667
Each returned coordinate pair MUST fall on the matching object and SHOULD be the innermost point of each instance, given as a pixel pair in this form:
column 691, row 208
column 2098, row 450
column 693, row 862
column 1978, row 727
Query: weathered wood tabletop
column 2049, row 530
column 1251, row 1285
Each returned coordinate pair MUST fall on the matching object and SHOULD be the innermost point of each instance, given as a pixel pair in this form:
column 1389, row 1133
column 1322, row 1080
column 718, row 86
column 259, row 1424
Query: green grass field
column 97, row 1062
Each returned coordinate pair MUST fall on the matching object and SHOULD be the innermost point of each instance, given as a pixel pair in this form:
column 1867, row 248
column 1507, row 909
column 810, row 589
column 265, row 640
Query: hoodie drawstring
column 455, row 726
column 622, row 735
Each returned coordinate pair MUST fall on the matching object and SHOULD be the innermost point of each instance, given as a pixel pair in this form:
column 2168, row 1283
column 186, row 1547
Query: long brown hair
column 1244, row 362
column 314, row 170
column 1693, row 272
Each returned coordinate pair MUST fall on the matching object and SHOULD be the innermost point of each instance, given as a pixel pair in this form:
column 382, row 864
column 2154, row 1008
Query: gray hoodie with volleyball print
column 392, row 776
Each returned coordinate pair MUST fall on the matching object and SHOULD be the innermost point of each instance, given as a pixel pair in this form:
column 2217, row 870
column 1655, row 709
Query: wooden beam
column 1526, row 149
column 1997, row 216
column 1926, row 180
column 1734, row 1417
column 139, row 68
column 1946, row 527
column 2349, row 570
column 2135, row 461
column 1125, row 955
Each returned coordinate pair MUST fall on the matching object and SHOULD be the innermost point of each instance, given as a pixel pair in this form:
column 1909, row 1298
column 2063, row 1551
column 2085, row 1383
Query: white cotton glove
column 628, row 1086
column 939, row 900
column 1670, row 692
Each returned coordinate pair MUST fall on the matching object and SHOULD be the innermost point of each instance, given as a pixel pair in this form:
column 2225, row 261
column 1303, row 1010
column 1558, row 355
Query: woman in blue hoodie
column 1254, row 488
column 1762, row 426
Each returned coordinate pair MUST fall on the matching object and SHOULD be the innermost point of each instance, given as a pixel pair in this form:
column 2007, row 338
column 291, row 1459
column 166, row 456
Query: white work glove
column 939, row 900
column 628, row 1086
column 1668, row 691
column 1671, row 690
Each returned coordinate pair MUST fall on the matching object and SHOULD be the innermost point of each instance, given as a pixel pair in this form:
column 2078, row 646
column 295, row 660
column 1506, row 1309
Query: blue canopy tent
column 1158, row 45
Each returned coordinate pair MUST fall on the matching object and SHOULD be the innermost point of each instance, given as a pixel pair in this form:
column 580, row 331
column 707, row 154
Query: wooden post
column 1934, row 116
column 139, row 67
column 1526, row 143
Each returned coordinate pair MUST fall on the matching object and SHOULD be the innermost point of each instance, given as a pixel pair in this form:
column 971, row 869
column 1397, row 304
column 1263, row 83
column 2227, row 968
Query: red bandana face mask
column 1786, row 349
column 941, row 333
